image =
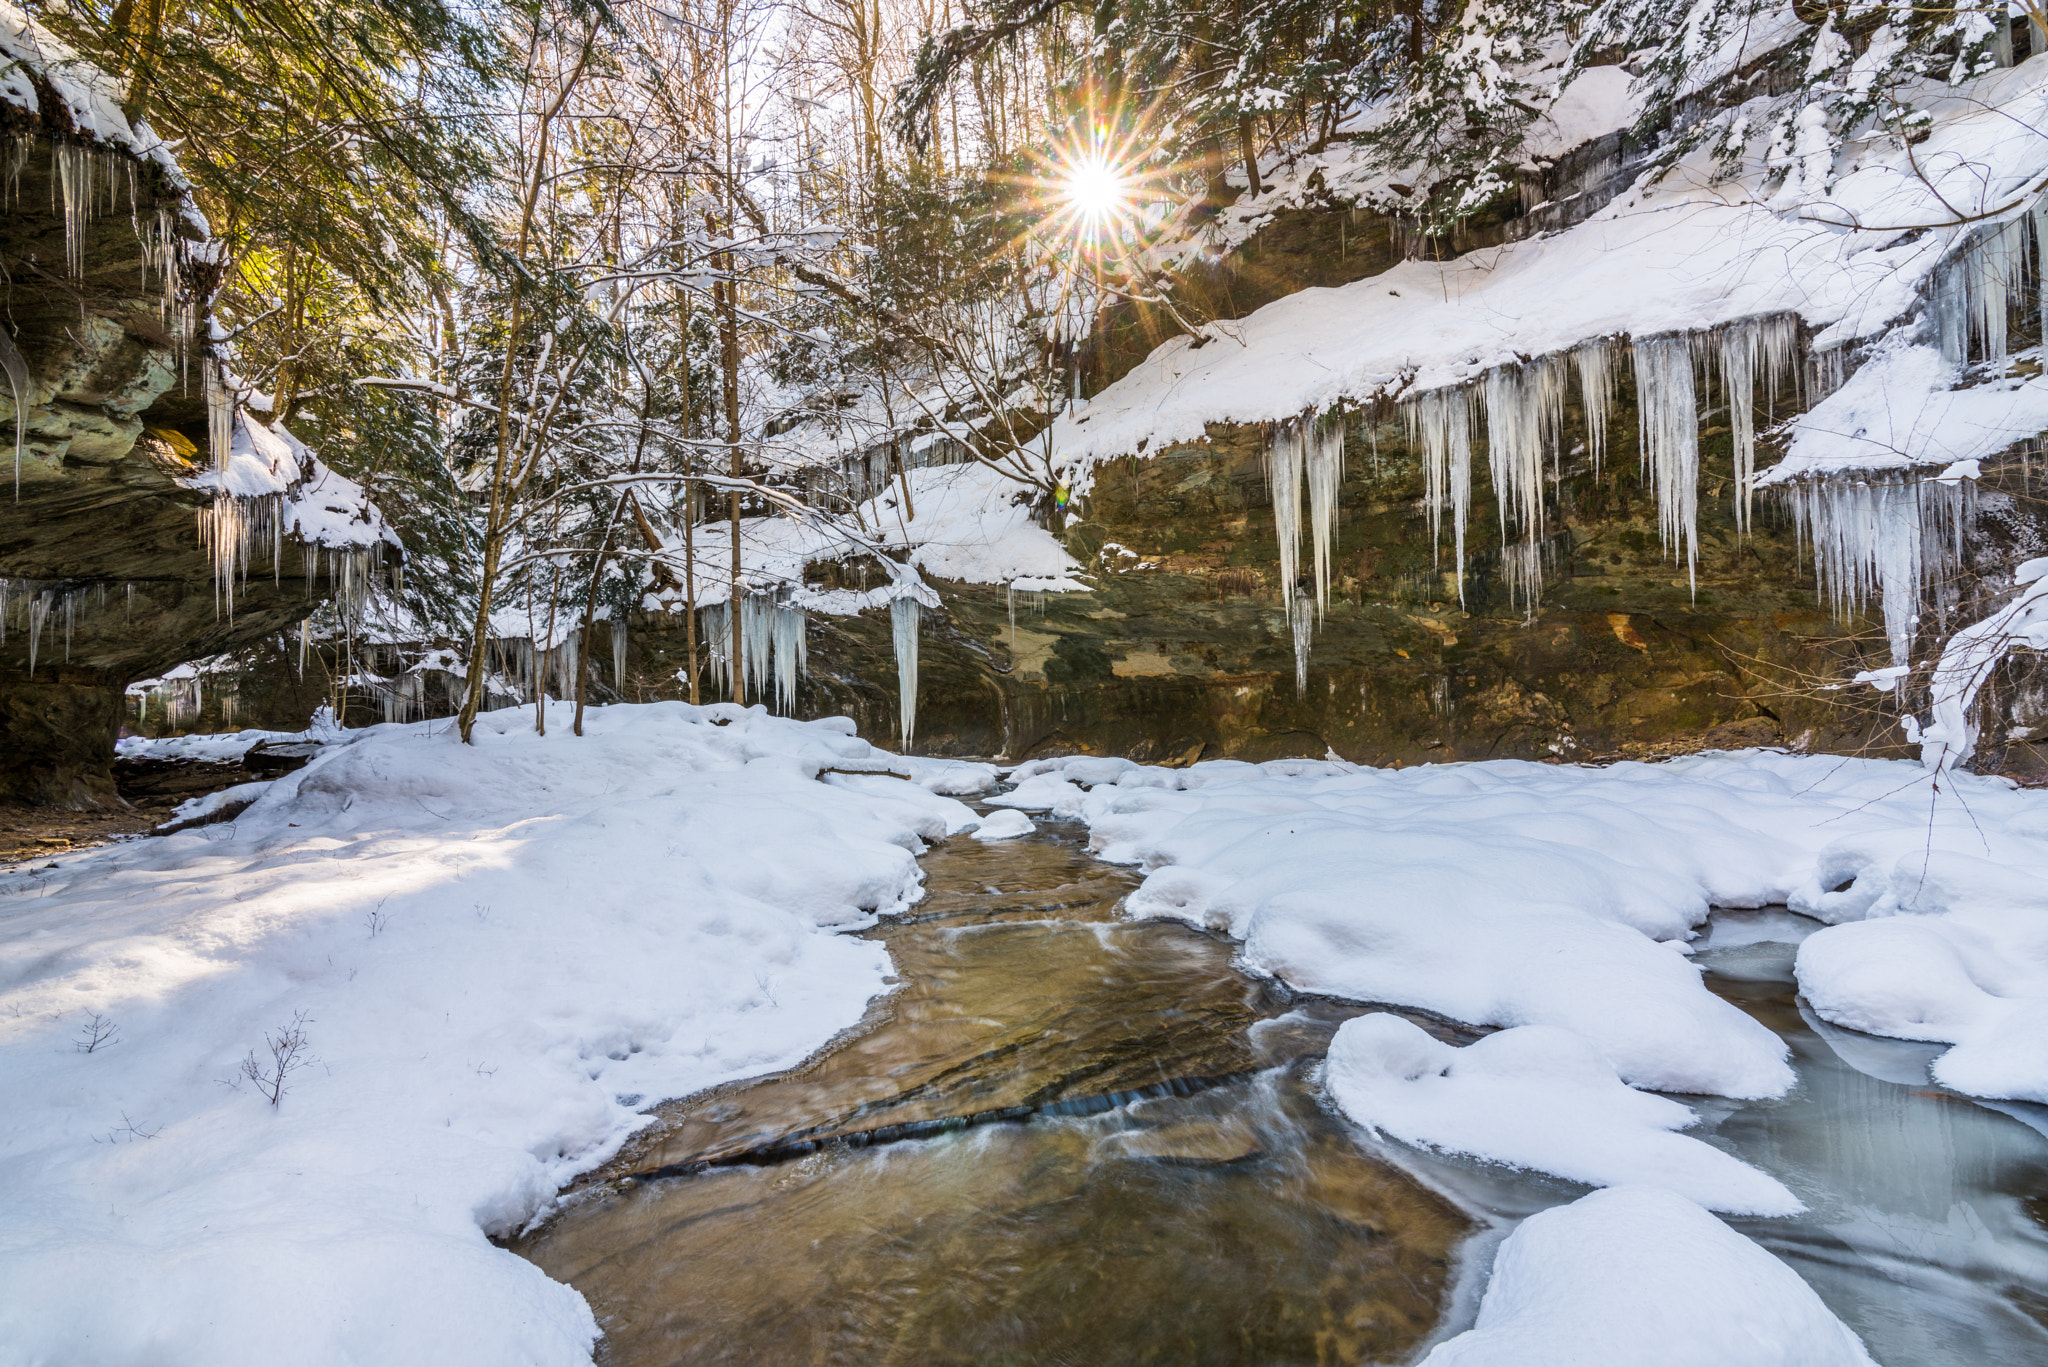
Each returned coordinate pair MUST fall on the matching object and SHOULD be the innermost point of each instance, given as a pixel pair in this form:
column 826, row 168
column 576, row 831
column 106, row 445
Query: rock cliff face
column 103, row 574
column 1185, row 647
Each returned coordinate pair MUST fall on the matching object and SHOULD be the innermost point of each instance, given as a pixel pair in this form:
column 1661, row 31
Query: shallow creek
column 1068, row 1138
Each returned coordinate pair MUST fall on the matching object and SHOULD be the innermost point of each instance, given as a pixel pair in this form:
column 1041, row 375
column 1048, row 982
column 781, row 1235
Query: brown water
column 1064, row 1138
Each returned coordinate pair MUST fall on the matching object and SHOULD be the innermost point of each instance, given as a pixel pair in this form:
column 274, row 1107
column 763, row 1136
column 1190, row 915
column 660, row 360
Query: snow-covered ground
column 494, row 956
column 601, row 922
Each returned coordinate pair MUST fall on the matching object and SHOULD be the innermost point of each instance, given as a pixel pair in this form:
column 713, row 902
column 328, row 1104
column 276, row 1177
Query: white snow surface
column 1688, row 252
column 218, row 747
column 1535, row 1097
column 501, row 953
column 1632, row 1276
column 1004, row 825
column 236, row 795
column 1899, row 409
column 1511, row 894
column 969, row 526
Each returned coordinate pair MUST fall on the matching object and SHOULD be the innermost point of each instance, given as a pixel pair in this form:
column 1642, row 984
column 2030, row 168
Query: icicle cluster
column 1440, row 423
column 1766, row 348
column 1033, row 601
column 1306, row 451
column 772, row 637
column 31, row 605
column 1667, row 416
column 1525, row 404
column 905, row 615
column 1892, row 538
column 526, row 670
column 1972, row 292
column 231, row 528
column 1524, row 423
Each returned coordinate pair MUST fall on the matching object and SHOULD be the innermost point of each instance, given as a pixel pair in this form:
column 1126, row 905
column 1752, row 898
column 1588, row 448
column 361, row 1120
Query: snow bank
column 1633, row 1275
column 499, row 954
column 974, row 525
column 1534, row 1097
column 1513, row 894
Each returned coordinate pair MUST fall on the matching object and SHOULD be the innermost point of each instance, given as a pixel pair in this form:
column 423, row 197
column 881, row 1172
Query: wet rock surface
column 1172, row 1192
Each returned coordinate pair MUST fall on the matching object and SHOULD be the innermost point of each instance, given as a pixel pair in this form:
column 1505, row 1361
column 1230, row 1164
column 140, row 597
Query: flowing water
column 1071, row 1139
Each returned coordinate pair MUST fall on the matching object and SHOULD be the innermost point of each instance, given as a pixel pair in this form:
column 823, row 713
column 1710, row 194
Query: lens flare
column 1095, row 191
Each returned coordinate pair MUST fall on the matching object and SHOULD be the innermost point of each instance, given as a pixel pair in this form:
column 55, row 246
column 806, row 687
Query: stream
column 1066, row 1138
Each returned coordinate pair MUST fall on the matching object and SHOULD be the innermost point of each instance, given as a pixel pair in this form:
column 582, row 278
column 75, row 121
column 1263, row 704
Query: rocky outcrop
column 121, row 463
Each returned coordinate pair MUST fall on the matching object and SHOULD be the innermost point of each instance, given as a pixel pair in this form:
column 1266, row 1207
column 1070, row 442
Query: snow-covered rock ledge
column 496, row 957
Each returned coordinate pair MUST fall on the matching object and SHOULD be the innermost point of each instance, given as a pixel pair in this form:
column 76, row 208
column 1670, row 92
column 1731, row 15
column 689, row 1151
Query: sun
column 1095, row 190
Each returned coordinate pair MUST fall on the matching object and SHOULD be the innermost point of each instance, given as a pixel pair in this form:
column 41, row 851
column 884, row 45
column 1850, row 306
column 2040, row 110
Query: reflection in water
column 1148, row 1178
column 1222, row 1216
column 1923, row 1231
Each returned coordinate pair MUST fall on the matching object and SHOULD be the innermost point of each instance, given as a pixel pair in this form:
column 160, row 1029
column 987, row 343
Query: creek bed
column 1069, row 1138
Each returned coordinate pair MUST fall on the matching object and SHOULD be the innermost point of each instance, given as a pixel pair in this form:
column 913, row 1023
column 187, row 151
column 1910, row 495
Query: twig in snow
column 288, row 1054
column 97, row 1033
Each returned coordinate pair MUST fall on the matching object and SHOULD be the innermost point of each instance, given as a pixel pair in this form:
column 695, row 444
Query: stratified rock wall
column 103, row 575
column 1185, row 647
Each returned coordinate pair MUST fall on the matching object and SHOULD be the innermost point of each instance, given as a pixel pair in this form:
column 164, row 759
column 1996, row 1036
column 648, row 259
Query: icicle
column 618, row 635
column 1743, row 352
column 1523, row 566
column 714, row 628
column 1325, row 470
column 2038, row 218
column 220, row 418
column 1668, row 423
column 305, row 642
column 1594, row 362
column 1524, row 412
column 1440, row 422
column 1893, row 538
column 1286, row 452
column 1972, row 290
column 1300, row 617
column 904, row 616
column 76, row 165
column 18, row 385
column 792, row 656
column 38, row 613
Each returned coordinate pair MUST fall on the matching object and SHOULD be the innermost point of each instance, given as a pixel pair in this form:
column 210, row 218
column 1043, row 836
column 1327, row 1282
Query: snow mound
column 1632, row 1276
column 1535, row 1097
column 498, row 954
column 952, row 777
column 1005, row 825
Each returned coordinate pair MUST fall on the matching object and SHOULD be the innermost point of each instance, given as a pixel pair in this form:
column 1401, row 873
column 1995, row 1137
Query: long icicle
column 1595, row 363
column 904, row 617
column 1668, row 422
column 1284, row 460
column 1325, row 467
column 1440, row 422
